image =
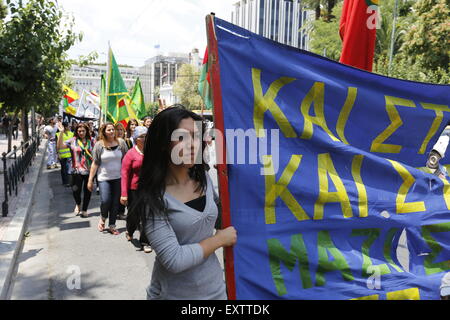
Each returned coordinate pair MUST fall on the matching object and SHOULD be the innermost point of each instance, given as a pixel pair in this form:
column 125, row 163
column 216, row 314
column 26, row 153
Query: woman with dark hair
column 178, row 206
column 81, row 146
column 131, row 166
column 107, row 155
column 132, row 124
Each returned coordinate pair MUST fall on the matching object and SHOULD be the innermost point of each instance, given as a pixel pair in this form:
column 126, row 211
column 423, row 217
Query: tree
column 33, row 59
column 3, row 10
column 325, row 38
column 427, row 37
column 186, row 87
column 420, row 41
column 316, row 5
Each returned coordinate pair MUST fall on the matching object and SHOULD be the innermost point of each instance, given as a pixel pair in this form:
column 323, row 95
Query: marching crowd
column 111, row 157
column 173, row 204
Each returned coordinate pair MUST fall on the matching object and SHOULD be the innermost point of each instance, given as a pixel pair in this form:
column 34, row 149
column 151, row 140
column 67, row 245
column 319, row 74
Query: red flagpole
column 214, row 69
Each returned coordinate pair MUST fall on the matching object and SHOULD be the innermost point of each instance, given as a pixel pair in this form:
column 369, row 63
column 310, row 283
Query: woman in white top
column 108, row 154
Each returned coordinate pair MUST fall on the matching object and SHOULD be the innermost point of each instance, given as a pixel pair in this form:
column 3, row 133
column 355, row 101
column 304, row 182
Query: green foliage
column 33, row 61
column 403, row 69
column 421, row 41
column 152, row 108
column 325, row 36
column 3, row 10
column 186, row 87
column 427, row 38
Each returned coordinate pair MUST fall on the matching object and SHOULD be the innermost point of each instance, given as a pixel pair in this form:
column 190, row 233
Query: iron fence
column 16, row 164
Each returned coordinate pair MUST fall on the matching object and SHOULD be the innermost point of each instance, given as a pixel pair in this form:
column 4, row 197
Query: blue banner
column 326, row 190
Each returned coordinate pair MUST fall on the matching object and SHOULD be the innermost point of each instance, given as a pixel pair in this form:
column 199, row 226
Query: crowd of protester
column 173, row 205
column 107, row 157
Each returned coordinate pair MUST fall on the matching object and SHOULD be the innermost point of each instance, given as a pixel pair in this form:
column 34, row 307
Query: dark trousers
column 110, row 199
column 65, row 167
column 134, row 221
column 79, row 183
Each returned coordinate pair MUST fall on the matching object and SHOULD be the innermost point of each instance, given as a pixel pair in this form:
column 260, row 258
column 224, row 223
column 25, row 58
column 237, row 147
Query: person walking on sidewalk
column 81, row 147
column 176, row 201
column 50, row 134
column 108, row 153
column 65, row 156
column 121, row 134
column 132, row 124
column 131, row 166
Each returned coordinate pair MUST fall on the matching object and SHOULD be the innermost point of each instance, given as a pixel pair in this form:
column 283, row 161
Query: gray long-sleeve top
column 180, row 272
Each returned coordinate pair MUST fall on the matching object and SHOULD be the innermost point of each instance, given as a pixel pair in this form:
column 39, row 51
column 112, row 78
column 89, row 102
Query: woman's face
column 110, row 132
column 186, row 143
column 120, row 132
column 81, row 132
column 132, row 126
column 148, row 122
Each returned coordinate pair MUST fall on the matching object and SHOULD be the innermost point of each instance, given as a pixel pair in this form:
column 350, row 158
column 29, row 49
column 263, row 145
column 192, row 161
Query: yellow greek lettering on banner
column 275, row 189
column 408, row 182
column 315, row 96
column 325, row 169
column 439, row 110
column 396, row 122
column 345, row 113
column 266, row 102
column 362, row 193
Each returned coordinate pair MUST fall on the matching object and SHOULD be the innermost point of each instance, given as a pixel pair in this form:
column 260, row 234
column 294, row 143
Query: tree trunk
column 330, row 6
column 10, row 137
column 318, row 10
column 24, row 123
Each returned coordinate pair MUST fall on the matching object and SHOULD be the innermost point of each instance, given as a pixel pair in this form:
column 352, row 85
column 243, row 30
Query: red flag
column 358, row 32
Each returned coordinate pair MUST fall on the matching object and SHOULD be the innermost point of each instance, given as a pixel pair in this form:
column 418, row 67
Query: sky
column 134, row 27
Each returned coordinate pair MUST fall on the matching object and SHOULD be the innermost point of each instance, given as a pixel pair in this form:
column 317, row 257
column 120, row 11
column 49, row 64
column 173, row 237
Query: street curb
column 11, row 243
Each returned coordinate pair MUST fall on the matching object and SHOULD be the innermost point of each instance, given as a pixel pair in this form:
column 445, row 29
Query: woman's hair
column 102, row 131
column 86, row 127
column 129, row 127
column 155, row 166
column 120, row 125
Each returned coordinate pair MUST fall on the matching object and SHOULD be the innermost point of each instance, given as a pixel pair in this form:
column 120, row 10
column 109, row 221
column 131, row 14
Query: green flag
column 117, row 92
column 137, row 100
column 204, row 87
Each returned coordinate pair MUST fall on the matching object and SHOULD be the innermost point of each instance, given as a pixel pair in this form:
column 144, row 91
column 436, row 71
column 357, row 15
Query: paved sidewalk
column 12, row 200
column 64, row 257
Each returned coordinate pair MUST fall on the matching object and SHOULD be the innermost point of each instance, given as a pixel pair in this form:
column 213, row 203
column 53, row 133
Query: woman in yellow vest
column 65, row 155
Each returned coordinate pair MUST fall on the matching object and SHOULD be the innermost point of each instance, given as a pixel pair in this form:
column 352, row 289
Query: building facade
column 88, row 77
column 160, row 73
column 157, row 76
column 284, row 21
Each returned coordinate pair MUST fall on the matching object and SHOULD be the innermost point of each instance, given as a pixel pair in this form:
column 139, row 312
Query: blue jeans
column 110, row 199
column 65, row 169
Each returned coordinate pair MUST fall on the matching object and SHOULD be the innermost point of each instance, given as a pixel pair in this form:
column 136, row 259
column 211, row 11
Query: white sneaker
column 147, row 249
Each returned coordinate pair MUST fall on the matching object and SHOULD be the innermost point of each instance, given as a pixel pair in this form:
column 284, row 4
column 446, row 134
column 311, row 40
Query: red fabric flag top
column 358, row 33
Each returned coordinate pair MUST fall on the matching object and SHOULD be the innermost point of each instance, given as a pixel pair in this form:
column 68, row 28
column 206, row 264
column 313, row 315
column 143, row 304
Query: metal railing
column 16, row 166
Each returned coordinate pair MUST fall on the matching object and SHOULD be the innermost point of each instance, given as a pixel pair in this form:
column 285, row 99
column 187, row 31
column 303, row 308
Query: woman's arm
column 60, row 143
column 126, row 178
column 223, row 238
column 177, row 258
column 92, row 173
